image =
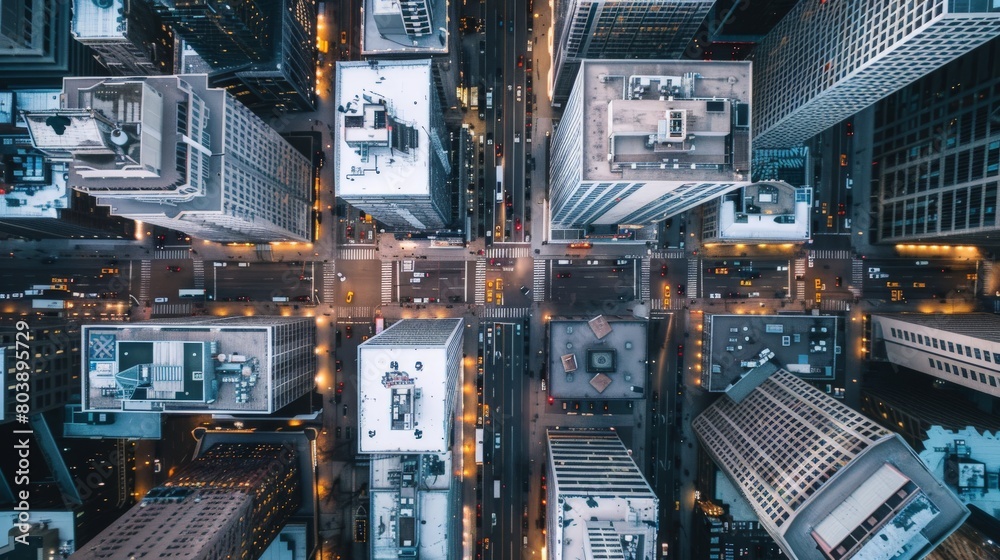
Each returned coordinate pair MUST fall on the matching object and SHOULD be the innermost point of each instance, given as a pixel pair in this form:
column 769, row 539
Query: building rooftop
column 387, row 40
column 601, row 357
column 181, row 366
column 411, row 508
column 773, row 211
column 967, row 460
column 805, row 345
column 405, row 388
column 665, row 120
column 604, row 508
column 984, row 326
column 98, row 19
column 383, row 146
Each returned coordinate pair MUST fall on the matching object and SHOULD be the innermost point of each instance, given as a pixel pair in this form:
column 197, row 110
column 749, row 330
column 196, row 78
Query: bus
column 496, row 488
column 479, row 446
column 191, row 293
column 499, row 183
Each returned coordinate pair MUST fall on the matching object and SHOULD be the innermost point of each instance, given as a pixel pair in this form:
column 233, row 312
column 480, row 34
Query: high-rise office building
column 172, row 152
column 641, row 141
column 390, row 159
column 413, row 18
column 226, row 33
column 127, row 36
column 54, row 347
column 614, row 29
column 936, row 154
column 286, row 80
column 409, row 381
column 236, row 365
column 230, row 502
column 36, row 47
column 826, row 61
column 826, row 482
column 600, row 505
column 963, row 349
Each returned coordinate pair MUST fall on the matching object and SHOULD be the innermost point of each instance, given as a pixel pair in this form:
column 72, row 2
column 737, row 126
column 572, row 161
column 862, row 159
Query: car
column 496, row 441
column 525, row 290
column 663, row 270
column 489, row 138
column 304, row 278
column 157, row 465
column 343, row 37
column 349, row 231
column 244, row 298
column 340, row 365
column 563, row 275
column 843, row 160
column 552, row 399
column 174, row 268
column 680, row 289
column 838, row 281
column 161, row 300
column 520, row 61
column 341, row 276
column 841, row 209
column 499, row 150
column 345, row 410
column 518, row 92
column 680, row 350
column 849, row 127
column 161, row 241
column 517, row 224
column 350, row 296
column 302, row 298
column 350, row 331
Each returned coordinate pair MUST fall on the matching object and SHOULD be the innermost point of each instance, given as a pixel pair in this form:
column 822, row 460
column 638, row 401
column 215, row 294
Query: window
column 920, row 339
column 959, row 349
column 931, row 360
column 947, row 367
column 951, row 347
column 968, row 351
column 935, row 341
column 986, row 355
column 894, row 333
column 976, row 350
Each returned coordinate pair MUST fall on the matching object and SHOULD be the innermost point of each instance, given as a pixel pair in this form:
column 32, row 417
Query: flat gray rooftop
column 614, row 363
column 805, row 345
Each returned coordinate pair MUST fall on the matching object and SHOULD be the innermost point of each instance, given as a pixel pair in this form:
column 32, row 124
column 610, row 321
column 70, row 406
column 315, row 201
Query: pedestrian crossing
column 356, row 253
column 387, row 282
column 329, row 283
column 834, row 305
column 510, row 252
column 674, row 303
column 504, row 313
column 538, row 281
column 172, row 308
column 171, row 254
column 198, row 266
column 668, row 254
column 145, row 273
column 479, row 297
column 857, row 276
column 831, row 254
column 644, row 279
column 353, row 311
column 799, row 268
column 692, row 285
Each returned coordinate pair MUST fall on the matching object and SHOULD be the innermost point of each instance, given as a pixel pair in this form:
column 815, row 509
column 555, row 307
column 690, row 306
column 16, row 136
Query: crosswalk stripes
column 198, row 267
column 538, row 280
column 356, row 253
column 511, row 252
column 171, row 254
column 387, row 267
column 504, row 312
column 172, row 308
column 145, row 273
column 834, row 305
column 479, row 297
column 353, row 311
column 644, row 280
column 800, row 286
column 692, row 287
column 857, row 276
column 831, row 254
column 674, row 303
column 668, row 254
column 329, row 283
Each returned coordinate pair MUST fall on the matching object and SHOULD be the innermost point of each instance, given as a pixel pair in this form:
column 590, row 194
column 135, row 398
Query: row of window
column 946, row 345
column 970, row 374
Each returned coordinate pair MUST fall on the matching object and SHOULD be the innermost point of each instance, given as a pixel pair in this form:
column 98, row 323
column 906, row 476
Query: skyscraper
column 36, row 47
column 600, row 505
column 936, row 154
column 127, row 36
column 963, row 349
column 54, row 345
column 228, row 503
column 170, row 151
column 409, row 381
column 226, row 33
column 237, row 365
column 390, row 159
column 826, row 61
column 614, row 29
column 826, row 482
column 641, row 141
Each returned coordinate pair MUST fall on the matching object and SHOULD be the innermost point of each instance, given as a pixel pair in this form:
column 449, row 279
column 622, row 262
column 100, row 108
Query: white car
column 161, row 300
column 517, row 137
column 341, row 276
column 518, row 93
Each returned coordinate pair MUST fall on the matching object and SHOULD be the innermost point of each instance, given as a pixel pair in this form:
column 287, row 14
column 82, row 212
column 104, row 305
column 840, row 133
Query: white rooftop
column 388, row 104
column 969, row 480
column 98, row 20
column 410, row 507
